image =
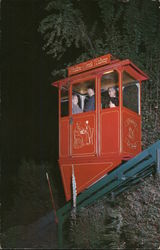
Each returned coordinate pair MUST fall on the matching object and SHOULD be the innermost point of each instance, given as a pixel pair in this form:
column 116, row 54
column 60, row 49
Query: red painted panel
column 84, row 134
column 109, row 131
column 131, row 132
column 64, row 137
column 85, row 174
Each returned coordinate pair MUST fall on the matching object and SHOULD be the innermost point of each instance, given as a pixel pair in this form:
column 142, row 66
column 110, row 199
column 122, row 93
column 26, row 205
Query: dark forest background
column 39, row 39
column 73, row 31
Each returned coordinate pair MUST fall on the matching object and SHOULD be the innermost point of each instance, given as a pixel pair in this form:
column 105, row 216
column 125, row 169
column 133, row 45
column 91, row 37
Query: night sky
column 29, row 102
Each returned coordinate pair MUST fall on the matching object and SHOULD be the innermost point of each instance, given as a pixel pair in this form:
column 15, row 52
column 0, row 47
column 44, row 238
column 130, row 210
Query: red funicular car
column 97, row 140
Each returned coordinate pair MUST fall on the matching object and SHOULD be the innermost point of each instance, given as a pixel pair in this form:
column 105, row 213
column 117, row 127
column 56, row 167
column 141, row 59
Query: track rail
column 116, row 182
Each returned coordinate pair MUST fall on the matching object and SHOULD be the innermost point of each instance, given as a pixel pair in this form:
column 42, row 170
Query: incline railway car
column 99, row 119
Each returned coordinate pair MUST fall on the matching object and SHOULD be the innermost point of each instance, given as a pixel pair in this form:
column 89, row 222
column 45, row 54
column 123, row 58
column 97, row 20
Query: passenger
column 75, row 107
column 90, row 104
column 113, row 99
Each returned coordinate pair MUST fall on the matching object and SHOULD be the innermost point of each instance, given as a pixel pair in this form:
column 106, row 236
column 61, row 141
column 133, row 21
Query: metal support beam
column 60, row 232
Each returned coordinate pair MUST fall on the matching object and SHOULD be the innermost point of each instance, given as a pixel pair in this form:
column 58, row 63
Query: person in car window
column 113, row 99
column 75, row 107
column 90, row 104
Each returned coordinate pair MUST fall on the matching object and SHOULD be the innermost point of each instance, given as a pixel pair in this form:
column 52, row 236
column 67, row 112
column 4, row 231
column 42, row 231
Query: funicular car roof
column 115, row 64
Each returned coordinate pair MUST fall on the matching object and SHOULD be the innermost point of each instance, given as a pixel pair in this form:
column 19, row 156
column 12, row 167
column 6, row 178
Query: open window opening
column 64, row 101
column 110, row 89
column 131, row 93
column 83, row 96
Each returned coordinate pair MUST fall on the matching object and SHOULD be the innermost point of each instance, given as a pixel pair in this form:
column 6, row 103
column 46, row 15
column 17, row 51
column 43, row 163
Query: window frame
column 60, row 96
column 118, row 86
column 85, row 79
column 138, row 84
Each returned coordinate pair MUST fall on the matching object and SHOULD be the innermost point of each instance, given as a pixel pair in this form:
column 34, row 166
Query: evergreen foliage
column 75, row 31
column 127, row 29
column 132, row 221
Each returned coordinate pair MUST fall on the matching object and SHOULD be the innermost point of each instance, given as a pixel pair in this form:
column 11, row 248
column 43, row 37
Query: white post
column 74, row 188
column 158, row 160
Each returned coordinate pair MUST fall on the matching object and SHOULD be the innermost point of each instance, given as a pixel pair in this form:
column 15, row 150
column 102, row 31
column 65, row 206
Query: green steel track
column 117, row 181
